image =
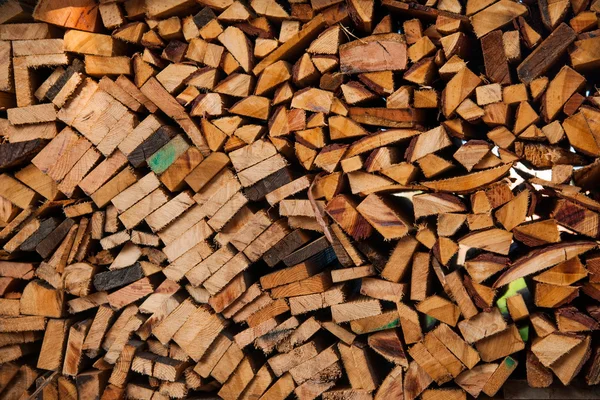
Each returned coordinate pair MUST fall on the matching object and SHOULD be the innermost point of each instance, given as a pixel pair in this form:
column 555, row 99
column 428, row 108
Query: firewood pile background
column 272, row 199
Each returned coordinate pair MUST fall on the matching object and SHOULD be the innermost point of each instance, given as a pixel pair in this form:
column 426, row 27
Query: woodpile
column 264, row 199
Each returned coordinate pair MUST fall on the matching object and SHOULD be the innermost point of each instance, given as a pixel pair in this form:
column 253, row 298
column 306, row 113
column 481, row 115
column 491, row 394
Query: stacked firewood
column 264, row 199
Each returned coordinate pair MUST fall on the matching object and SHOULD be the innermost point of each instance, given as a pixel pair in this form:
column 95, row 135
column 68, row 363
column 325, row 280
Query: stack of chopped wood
column 345, row 199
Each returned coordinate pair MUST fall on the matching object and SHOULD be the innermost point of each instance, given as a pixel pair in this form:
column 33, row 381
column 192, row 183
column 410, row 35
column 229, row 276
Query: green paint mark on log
column 516, row 286
column 524, row 332
column 429, row 322
column 163, row 158
column 509, row 361
column 390, row 325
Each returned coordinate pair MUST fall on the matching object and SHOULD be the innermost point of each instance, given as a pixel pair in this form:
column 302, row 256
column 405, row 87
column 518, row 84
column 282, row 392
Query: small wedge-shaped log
column 482, row 325
column 501, row 344
column 569, row 319
column 388, row 344
column 343, row 210
column 564, row 274
column 554, row 346
column 388, row 219
column 427, row 143
column 473, row 380
column 585, row 55
column 440, row 309
column 432, row 366
column 236, row 42
column 514, row 212
column 461, row 86
column 496, row 16
column 537, row 233
column 552, row 296
column 568, row 366
column 560, row 89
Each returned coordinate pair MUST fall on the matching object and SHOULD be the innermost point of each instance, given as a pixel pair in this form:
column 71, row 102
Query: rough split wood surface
column 265, row 199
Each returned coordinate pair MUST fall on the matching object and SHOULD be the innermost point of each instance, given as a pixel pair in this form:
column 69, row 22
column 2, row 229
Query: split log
column 187, row 183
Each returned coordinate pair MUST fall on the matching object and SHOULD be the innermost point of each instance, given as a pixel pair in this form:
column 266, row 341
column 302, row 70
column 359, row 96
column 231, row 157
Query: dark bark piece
column 322, row 259
column 260, row 189
column 285, row 247
column 46, row 227
column 341, row 253
column 175, row 51
column 298, row 256
column 120, row 277
column 158, row 139
column 546, row 54
column 204, row 17
column 496, row 64
column 76, row 67
column 91, row 384
column 49, row 244
column 15, row 154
